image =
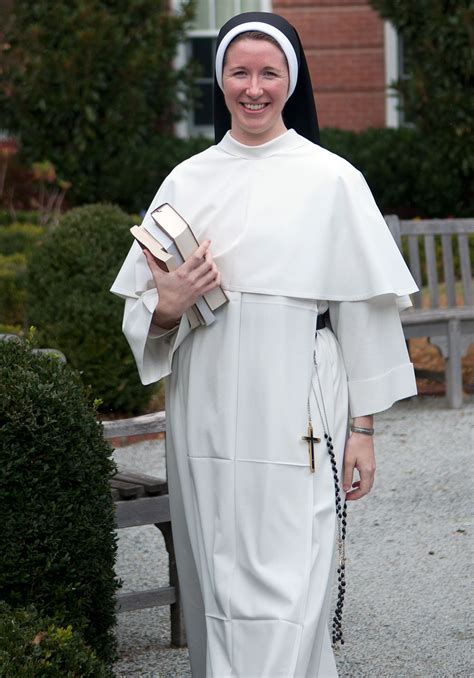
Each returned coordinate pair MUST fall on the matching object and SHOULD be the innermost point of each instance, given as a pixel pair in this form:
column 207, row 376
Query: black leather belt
column 323, row 320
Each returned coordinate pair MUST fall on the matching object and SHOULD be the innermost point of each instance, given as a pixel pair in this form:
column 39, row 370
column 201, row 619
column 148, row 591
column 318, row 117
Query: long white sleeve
column 152, row 347
column 376, row 359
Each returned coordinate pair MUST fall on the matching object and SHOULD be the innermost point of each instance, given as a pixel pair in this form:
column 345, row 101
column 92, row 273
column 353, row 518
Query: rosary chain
column 341, row 514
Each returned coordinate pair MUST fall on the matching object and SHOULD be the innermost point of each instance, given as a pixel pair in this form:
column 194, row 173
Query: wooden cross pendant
column 311, row 439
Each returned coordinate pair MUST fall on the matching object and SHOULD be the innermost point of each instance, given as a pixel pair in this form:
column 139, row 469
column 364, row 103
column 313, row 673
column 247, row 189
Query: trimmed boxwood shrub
column 32, row 645
column 19, row 216
column 69, row 302
column 58, row 539
column 12, row 289
column 19, row 237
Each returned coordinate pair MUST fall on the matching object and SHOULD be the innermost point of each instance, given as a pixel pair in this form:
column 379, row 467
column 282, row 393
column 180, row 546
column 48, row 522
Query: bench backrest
column 437, row 236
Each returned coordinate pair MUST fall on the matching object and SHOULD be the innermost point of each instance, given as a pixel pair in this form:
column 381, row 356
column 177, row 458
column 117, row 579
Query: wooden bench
column 451, row 326
column 141, row 499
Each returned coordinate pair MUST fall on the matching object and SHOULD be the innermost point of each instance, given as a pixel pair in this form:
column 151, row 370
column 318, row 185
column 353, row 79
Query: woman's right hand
column 179, row 289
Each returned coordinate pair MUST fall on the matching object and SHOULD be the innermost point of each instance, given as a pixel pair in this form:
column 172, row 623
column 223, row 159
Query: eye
column 270, row 74
column 239, row 74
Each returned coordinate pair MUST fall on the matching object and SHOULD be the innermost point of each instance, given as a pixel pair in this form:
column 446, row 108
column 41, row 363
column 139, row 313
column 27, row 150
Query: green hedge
column 69, row 302
column 58, row 539
column 32, row 645
column 19, row 216
column 17, row 242
column 407, row 174
column 19, row 237
column 12, row 289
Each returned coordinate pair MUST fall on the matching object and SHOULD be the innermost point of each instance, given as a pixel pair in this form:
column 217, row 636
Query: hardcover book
column 166, row 262
column 178, row 230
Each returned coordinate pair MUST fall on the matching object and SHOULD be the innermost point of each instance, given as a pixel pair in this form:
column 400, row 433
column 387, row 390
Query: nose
column 254, row 89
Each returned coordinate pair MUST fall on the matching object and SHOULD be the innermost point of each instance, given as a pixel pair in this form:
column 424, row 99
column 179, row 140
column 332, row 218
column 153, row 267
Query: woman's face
column 255, row 82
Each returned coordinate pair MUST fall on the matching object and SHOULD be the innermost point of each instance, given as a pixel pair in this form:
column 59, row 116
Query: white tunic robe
column 254, row 529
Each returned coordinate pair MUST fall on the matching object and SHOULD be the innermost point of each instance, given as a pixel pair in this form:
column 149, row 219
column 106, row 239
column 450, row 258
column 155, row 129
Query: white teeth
column 254, row 107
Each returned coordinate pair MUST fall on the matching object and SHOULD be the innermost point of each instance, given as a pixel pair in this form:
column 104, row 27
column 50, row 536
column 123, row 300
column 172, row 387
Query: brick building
column 352, row 55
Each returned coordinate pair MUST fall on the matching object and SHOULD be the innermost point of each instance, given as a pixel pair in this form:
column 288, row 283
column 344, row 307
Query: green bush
column 438, row 66
column 19, row 216
column 12, row 289
column 69, row 302
column 19, row 237
column 58, row 538
column 32, row 645
column 404, row 171
column 90, row 86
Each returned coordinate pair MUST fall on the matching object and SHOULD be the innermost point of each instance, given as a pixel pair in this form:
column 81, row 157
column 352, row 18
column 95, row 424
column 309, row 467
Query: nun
column 270, row 408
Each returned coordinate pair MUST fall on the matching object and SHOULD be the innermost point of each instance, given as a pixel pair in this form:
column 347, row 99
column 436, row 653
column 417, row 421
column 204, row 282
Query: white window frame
column 185, row 127
column 392, row 73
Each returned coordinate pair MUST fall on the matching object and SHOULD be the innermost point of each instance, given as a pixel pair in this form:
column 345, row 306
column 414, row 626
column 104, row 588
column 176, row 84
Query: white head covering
column 273, row 32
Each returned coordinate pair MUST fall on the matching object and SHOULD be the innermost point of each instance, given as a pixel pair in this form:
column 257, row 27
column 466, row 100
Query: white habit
column 294, row 229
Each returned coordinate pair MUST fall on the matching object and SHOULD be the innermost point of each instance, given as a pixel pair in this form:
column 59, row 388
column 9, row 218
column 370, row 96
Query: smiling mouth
column 253, row 107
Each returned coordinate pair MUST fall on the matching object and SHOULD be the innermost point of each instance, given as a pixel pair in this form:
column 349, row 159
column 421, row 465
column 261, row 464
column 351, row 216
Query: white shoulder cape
column 286, row 218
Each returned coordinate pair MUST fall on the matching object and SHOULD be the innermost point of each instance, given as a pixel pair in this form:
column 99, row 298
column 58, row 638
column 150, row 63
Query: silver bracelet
column 361, row 429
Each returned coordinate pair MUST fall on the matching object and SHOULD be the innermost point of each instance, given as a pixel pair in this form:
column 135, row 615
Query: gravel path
column 409, row 592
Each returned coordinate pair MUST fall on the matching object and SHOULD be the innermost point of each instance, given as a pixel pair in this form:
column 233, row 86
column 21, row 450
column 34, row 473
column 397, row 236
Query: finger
column 348, row 474
column 365, row 481
column 152, row 263
column 353, row 495
column 198, row 257
column 211, row 281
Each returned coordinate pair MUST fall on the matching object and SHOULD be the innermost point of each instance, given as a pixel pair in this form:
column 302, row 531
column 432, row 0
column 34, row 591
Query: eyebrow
column 244, row 68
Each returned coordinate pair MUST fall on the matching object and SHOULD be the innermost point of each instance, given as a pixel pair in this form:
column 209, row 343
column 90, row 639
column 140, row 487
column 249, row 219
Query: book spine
column 207, row 315
column 193, row 317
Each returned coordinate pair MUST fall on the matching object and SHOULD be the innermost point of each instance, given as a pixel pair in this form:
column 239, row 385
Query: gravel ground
column 409, row 592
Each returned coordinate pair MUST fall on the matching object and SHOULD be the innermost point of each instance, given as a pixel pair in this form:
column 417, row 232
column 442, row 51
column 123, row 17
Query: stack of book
column 171, row 241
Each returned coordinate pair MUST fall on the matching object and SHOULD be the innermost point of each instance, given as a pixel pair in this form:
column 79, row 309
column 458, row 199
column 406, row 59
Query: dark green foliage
column 12, row 289
column 69, row 302
column 438, row 47
column 58, row 539
column 403, row 172
column 17, row 241
column 89, row 85
column 32, row 645
column 20, row 216
column 19, row 237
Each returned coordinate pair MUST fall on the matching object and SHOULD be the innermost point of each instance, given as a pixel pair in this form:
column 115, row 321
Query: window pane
column 203, row 108
column 202, row 51
column 202, row 19
column 224, row 11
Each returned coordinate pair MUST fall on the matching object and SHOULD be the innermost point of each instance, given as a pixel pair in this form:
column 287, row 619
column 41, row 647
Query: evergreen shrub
column 19, row 216
column 19, row 237
column 69, row 279
column 58, row 538
column 438, row 66
column 100, row 74
column 32, row 645
column 404, row 171
column 12, row 289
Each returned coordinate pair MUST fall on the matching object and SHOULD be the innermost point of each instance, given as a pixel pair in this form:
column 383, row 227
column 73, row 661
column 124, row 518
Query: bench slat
column 466, row 273
column 151, row 484
column 147, row 423
column 126, row 490
column 432, row 270
column 436, row 226
column 415, row 268
column 139, row 600
column 144, row 511
column 448, row 267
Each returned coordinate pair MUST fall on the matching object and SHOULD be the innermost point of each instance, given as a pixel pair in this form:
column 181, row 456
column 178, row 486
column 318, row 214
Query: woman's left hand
column 358, row 453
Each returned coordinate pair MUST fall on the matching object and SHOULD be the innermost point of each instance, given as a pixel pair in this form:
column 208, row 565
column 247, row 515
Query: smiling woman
column 255, row 83
column 258, row 453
